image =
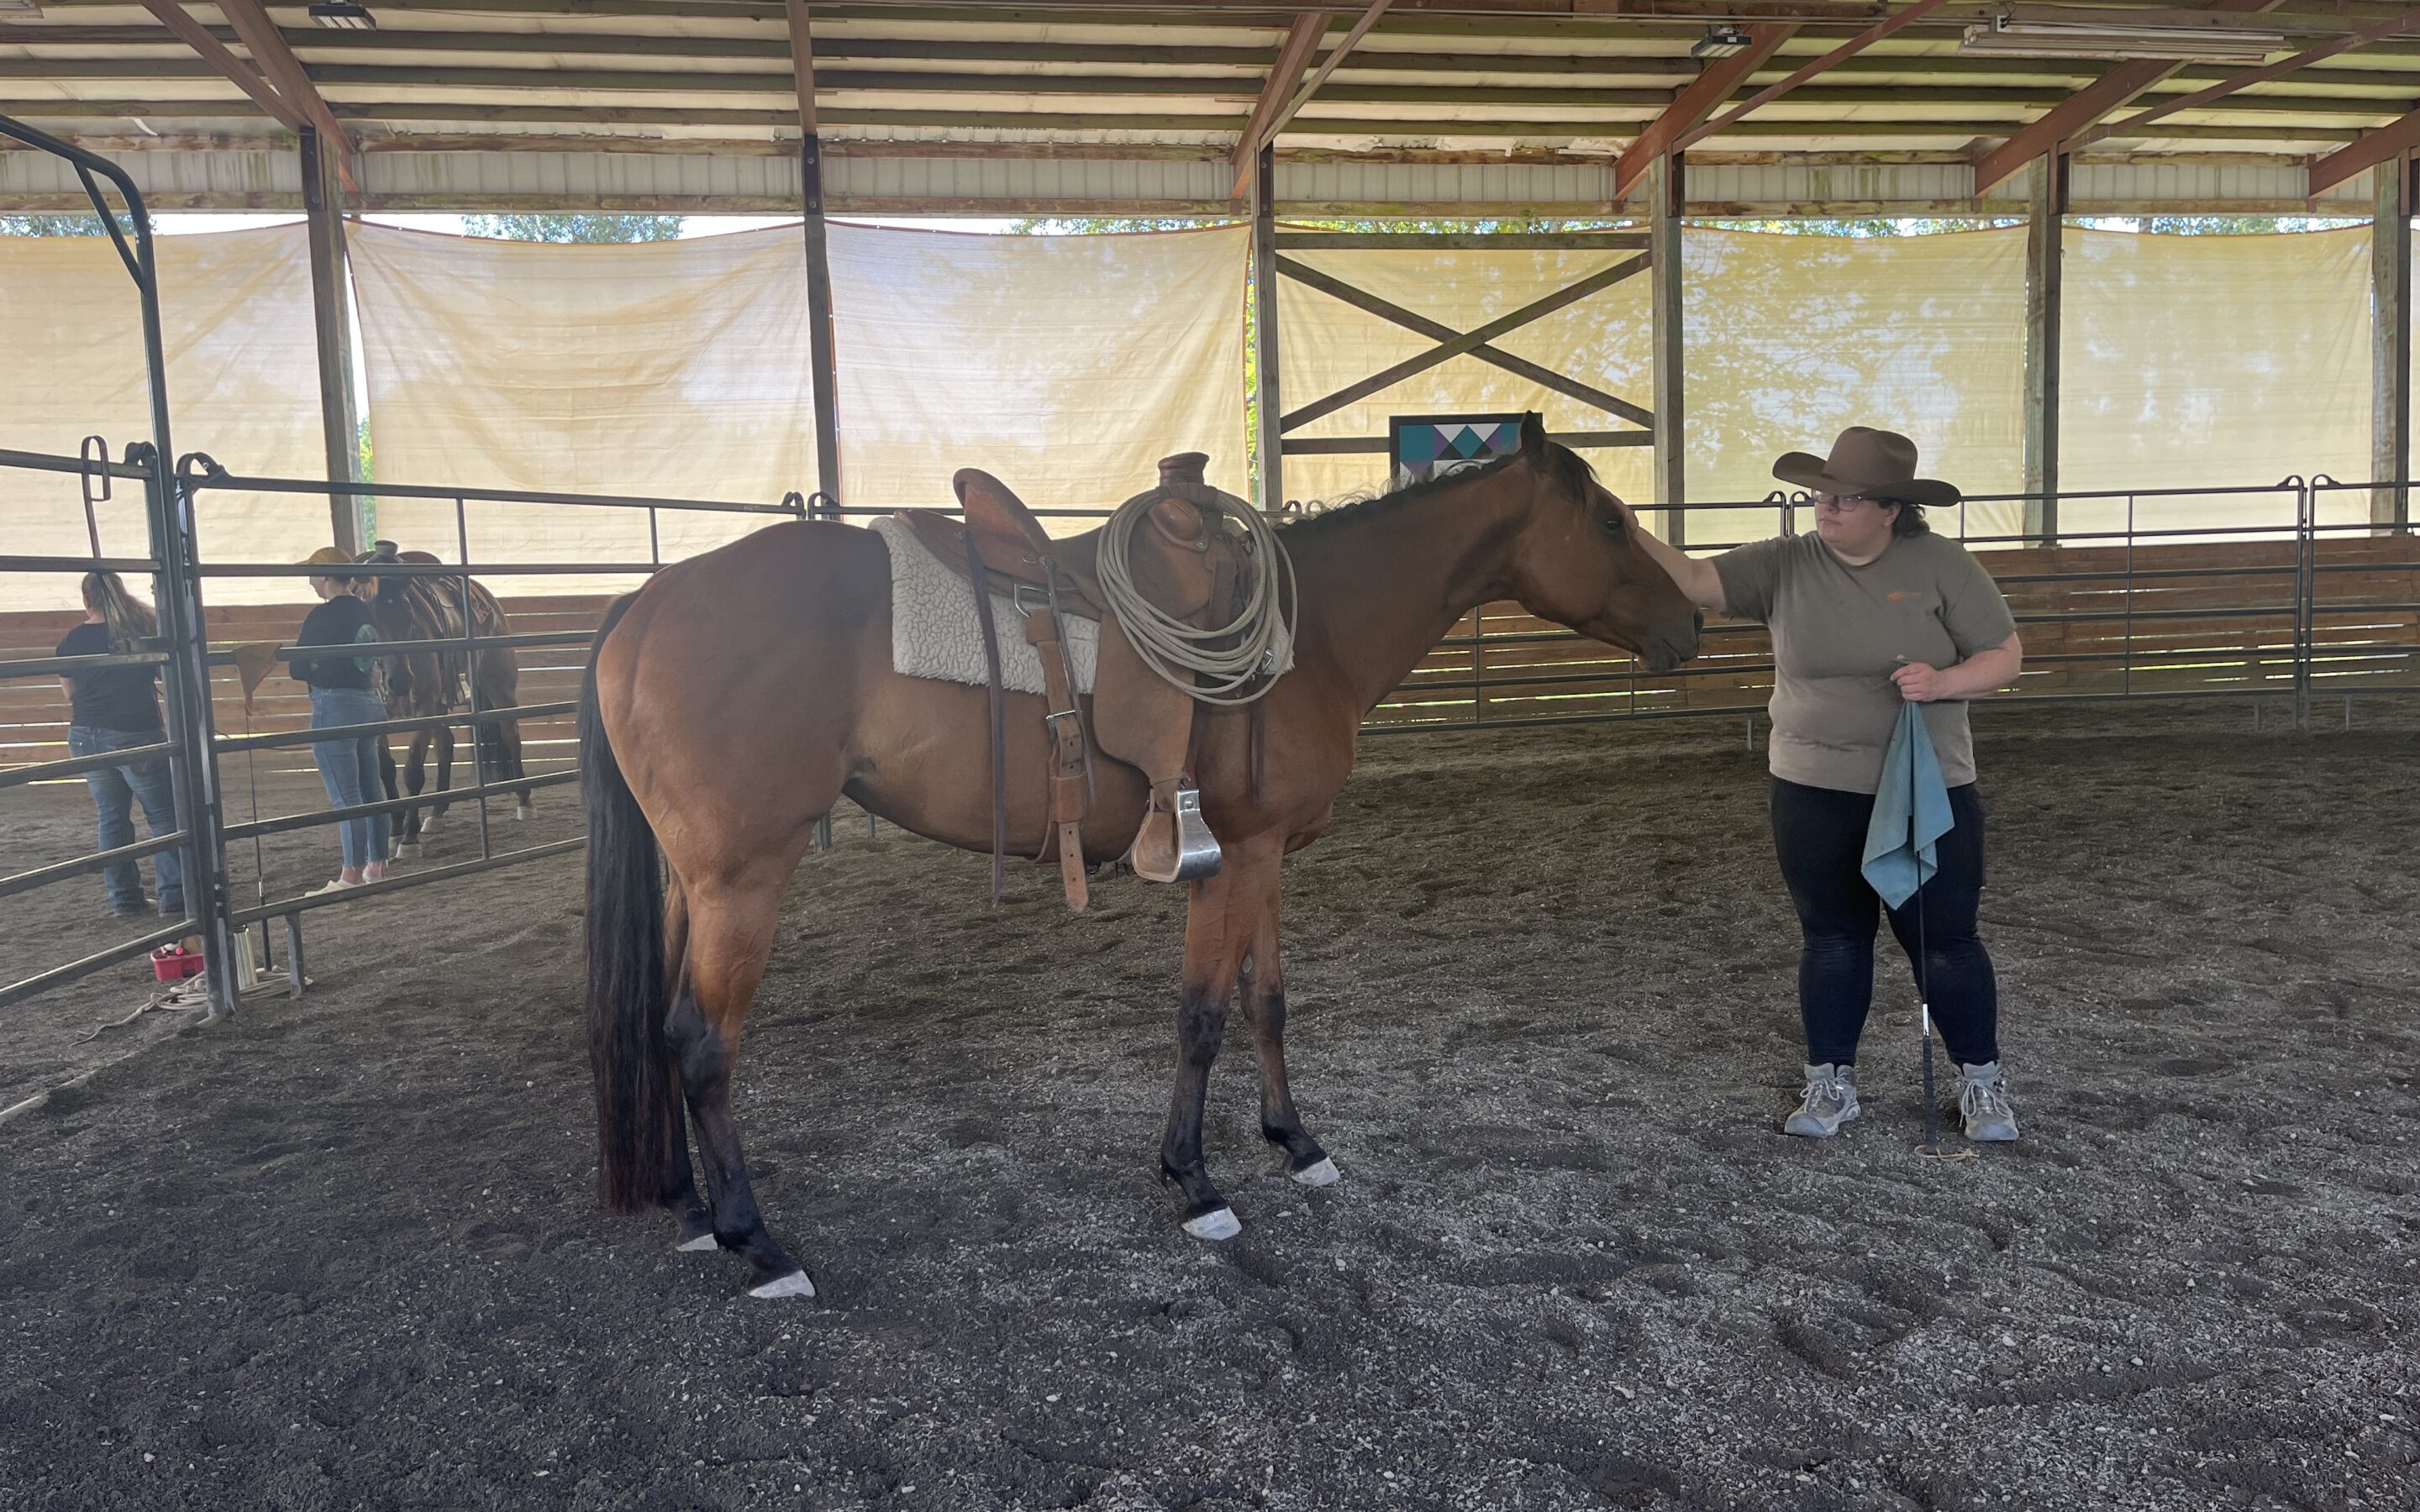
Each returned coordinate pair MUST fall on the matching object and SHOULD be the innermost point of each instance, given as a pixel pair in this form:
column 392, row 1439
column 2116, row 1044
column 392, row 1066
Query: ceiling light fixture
column 2194, row 36
column 343, row 16
column 1721, row 41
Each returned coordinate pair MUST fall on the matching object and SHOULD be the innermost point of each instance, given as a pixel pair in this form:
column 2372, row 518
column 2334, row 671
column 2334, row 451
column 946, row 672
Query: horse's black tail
column 638, row 1104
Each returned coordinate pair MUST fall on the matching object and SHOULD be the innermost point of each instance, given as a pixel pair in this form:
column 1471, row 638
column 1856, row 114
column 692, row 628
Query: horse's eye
column 1612, row 524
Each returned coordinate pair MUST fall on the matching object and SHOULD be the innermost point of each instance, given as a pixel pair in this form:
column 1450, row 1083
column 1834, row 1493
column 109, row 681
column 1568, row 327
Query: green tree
column 54, row 225
column 575, row 227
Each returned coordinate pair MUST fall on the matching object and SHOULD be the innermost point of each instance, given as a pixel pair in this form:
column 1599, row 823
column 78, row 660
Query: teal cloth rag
column 1910, row 812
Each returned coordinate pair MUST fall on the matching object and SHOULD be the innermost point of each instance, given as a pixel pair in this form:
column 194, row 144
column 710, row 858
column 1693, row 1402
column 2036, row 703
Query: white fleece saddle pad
column 935, row 632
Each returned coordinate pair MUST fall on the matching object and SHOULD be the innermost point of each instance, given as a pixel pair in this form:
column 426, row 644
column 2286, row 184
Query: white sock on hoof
column 1220, row 1223
column 794, row 1285
column 698, row 1245
column 1321, row 1173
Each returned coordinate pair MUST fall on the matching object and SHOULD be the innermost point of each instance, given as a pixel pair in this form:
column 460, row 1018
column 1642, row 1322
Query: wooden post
column 2045, row 275
column 821, row 351
column 1268, row 440
column 349, row 520
column 2390, row 345
column 1667, row 197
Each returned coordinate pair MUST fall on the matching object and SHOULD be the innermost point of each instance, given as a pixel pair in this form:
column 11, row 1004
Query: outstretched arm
column 1697, row 580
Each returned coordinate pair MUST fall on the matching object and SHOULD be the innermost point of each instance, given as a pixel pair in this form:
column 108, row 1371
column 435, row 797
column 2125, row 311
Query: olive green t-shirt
column 1839, row 631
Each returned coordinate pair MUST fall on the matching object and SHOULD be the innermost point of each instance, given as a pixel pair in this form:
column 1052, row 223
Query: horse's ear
column 1533, row 436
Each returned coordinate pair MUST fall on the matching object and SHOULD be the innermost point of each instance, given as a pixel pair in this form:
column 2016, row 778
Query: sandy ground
column 342, row 1251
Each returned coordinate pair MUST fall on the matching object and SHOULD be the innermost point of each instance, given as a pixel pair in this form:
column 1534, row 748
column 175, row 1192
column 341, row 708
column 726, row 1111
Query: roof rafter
column 2248, row 78
column 1697, row 101
column 2388, row 144
column 2088, row 105
column 268, row 51
column 1800, row 75
column 216, row 53
column 1294, row 58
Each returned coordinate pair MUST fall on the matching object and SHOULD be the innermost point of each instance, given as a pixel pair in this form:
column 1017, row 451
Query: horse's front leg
column 444, row 736
column 1218, row 931
column 1265, row 1008
column 403, row 838
column 416, row 820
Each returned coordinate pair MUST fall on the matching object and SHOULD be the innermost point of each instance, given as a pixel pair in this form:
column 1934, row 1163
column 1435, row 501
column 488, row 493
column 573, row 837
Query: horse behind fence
column 429, row 683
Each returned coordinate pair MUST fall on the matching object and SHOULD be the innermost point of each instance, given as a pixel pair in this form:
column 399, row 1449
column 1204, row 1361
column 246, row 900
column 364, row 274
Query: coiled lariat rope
column 1229, row 664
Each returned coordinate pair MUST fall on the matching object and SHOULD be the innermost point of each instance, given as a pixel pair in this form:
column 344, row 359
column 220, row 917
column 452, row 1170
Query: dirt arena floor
column 342, row 1251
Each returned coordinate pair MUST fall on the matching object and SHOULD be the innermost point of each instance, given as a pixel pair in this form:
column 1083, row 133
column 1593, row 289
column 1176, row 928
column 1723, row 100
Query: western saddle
column 1187, row 563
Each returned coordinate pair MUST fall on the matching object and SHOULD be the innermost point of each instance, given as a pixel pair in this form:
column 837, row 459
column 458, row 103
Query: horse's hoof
column 1320, row 1172
column 407, row 853
column 794, row 1285
column 1218, row 1224
column 698, row 1245
column 521, row 812
column 431, row 824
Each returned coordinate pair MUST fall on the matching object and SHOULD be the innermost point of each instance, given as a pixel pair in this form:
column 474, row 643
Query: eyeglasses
column 1851, row 500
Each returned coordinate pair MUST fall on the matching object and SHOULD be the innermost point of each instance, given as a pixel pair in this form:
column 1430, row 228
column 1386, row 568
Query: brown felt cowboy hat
column 1876, row 464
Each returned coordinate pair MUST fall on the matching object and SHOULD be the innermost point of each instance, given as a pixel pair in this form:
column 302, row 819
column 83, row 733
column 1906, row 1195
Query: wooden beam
column 1695, row 103
column 2388, row 144
column 802, row 64
column 1667, row 192
column 244, row 76
column 2094, row 101
column 1294, row 56
column 2045, row 298
column 2247, row 79
column 323, row 209
column 1460, row 346
column 269, row 50
column 2390, row 347
column 1336, row 57
column 1800, row 75
column 1387, row 309
column 1268, row 446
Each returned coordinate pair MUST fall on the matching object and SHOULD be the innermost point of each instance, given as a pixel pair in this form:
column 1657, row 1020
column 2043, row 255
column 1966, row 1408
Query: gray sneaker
column 1984, row 1102
column 1830, row 1100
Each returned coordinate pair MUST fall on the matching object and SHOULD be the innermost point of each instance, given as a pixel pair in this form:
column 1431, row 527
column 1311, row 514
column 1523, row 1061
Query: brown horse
column 429, row 683
column 735, row 698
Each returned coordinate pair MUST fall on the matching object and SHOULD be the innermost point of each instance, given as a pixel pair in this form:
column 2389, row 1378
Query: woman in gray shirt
column 1871, row 611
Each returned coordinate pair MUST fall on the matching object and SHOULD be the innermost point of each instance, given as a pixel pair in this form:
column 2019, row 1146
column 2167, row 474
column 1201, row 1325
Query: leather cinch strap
column 999, row 718
column 1071, row 768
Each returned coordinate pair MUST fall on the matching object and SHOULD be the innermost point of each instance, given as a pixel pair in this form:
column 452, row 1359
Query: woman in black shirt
column 117, row 708
column 341, row 695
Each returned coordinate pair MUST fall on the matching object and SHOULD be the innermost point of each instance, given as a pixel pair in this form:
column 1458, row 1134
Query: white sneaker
column 1830, row 1100
column 339, row 885
column 1984, row 1102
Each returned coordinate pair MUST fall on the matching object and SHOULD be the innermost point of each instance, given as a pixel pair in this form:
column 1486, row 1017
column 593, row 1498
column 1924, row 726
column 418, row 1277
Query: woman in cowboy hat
column 1870, row 611
column 341, row 695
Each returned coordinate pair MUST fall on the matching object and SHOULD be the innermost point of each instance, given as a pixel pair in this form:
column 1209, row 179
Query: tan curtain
column 1065, row 366
column 235, row 312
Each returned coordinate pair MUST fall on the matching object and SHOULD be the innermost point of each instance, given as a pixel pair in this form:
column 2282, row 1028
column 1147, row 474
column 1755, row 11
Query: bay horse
column 735, row 697
column 431, row 683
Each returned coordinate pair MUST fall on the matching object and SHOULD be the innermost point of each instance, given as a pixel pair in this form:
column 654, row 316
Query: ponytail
column 130, row 621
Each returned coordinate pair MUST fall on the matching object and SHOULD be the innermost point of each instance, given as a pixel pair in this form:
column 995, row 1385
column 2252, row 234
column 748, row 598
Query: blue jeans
column 349, row 768
column 114, row 792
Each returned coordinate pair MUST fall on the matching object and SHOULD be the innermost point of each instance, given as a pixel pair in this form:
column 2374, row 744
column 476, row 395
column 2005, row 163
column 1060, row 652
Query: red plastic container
column 174, row 963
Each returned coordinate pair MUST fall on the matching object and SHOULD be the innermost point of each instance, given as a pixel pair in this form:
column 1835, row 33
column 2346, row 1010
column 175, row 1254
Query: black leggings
column 1820, row 834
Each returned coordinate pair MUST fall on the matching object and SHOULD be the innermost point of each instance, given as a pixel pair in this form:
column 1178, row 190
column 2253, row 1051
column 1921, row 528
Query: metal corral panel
column 234, row 181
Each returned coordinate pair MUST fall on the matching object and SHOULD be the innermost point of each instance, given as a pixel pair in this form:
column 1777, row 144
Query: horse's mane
column 1565, row 465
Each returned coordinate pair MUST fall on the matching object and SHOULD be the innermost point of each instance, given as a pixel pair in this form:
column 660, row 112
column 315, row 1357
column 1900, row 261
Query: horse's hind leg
column 694, row 1225
column 730, row 936
column 1218, row 925
column 1264, row 1007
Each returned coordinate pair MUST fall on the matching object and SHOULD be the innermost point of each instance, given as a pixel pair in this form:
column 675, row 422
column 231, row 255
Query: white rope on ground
column 1262, row 632
column 184, row 996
